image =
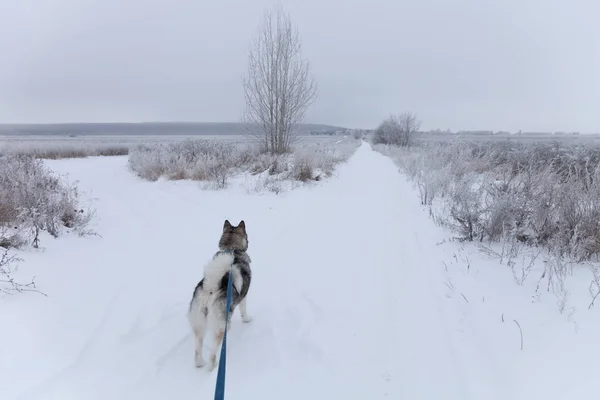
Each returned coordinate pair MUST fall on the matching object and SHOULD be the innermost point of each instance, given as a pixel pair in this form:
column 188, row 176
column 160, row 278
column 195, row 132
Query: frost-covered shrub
column 357, row 134
column 539, row 194
column 217, row 161
column 302, row 169
column 397, row 130
column 189, row 159
column 309, row 162
column 33, row 199
column 466, row 209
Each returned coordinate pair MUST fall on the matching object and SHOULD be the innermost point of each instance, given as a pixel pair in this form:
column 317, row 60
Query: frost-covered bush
column 397, row 130
column 466, row 209
column 216, row 161
column 319, row 160
column 538, row 194
column 189, row 159
column 33, row 199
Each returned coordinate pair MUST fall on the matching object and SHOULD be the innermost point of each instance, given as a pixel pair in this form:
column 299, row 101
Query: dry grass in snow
column 57, row 149
column 539, row 194
column 217, row 161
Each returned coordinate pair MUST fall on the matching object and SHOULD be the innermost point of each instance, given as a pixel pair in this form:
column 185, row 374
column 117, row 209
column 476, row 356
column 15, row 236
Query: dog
column 208, row 305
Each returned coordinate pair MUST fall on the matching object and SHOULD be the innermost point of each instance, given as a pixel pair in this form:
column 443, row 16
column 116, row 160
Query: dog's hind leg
column 216, row 320
column 243, row 312
column 216, row 346
column 198, row 340
column 198, row 322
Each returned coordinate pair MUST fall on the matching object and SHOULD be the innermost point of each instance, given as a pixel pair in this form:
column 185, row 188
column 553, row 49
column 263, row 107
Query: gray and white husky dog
column 208, row 305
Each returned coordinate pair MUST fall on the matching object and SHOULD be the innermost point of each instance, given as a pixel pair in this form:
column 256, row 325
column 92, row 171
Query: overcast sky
column 460, row 64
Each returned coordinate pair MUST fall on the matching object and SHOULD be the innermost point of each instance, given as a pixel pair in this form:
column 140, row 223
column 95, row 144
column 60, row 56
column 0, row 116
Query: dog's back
column 242, row 276
column 210, row 287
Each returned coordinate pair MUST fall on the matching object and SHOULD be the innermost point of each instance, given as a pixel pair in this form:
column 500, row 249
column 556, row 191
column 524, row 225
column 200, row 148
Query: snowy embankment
column 354, row 296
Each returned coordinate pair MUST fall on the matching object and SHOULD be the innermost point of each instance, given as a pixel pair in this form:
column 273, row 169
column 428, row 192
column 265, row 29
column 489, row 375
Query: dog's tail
column 216, row 269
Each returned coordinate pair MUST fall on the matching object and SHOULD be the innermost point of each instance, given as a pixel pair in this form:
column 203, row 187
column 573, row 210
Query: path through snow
column 346, row 298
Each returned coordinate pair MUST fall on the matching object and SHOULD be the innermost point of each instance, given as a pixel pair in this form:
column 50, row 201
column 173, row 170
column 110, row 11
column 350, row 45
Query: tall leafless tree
column 279, row 86
column 397, row 130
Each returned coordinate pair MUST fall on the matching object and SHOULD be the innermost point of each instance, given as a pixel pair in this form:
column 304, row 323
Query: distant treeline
column 145, row 128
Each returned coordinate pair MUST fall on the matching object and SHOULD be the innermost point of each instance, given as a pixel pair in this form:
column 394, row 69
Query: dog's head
column 234, row 237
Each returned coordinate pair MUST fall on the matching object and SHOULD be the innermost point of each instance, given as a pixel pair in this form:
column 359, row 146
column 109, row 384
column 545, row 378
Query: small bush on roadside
column 32, row 200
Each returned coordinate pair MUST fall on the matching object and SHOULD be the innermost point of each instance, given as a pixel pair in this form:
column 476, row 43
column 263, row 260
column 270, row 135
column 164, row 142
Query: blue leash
column 220, row 388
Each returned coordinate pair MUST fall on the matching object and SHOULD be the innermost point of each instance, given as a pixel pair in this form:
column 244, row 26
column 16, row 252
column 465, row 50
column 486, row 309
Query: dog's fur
column 208, row 305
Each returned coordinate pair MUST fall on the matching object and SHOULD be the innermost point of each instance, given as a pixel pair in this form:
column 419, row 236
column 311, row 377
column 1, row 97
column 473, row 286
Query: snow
column 356, row 294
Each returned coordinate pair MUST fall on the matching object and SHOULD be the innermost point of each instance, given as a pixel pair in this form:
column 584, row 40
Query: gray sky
column 458, row 64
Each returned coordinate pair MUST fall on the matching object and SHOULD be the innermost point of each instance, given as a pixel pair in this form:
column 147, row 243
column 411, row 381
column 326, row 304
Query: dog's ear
column 227, row 225
column 242, row 225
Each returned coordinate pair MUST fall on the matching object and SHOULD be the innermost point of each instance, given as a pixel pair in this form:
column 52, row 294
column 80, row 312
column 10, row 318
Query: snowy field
column 90, row 145
column 586, row 139
column 55, row 146
column 356, row 294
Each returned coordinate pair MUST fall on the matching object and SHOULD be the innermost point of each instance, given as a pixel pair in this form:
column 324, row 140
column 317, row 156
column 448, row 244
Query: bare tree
column 279, row 87
column 397, row 130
